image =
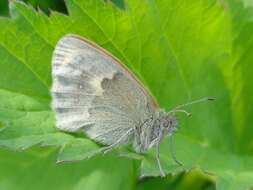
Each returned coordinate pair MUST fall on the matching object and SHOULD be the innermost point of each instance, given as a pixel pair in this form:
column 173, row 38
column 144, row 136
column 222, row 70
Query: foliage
column 181, row 50
column 3, row 8
column 46, row 6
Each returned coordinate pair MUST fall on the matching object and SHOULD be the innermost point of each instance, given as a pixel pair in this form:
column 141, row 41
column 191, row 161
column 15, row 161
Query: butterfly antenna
column 195, row 102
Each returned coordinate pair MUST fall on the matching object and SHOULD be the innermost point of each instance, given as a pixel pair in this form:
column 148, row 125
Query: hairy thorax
column 151, row 131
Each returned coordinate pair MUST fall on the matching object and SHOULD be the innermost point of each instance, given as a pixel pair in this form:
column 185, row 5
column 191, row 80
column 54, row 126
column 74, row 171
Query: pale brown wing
column 93, row 91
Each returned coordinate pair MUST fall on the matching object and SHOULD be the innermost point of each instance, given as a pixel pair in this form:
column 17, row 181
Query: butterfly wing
column 93, row 91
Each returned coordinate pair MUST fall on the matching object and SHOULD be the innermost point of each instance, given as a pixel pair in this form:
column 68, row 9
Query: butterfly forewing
column 95, row 92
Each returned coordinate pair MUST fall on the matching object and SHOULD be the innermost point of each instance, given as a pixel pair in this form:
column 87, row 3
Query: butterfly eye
column 167, row 123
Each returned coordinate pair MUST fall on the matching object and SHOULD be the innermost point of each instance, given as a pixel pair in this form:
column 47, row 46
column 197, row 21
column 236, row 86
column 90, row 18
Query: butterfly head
column 167, row 122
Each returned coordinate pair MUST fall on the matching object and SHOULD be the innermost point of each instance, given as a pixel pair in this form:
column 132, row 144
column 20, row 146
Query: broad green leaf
column 35, row 169
column 181, row 50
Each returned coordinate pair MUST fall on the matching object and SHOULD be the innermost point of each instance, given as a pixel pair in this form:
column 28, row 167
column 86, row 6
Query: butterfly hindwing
column 93, row 92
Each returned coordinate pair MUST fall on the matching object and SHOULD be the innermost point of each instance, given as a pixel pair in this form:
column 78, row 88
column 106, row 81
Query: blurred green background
column 35, row 169
column 28, row 170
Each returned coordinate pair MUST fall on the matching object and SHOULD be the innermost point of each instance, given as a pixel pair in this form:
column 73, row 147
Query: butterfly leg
column 172, row 152
column 158, row 159
column 118, row 142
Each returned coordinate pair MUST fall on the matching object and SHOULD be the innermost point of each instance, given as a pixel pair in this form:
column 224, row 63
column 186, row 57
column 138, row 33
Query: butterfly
column 94, row 92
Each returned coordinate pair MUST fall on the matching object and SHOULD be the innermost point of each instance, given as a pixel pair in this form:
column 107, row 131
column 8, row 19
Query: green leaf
column 193, row 180
column 182, row 50
column 47, row 5
column 35, row 169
